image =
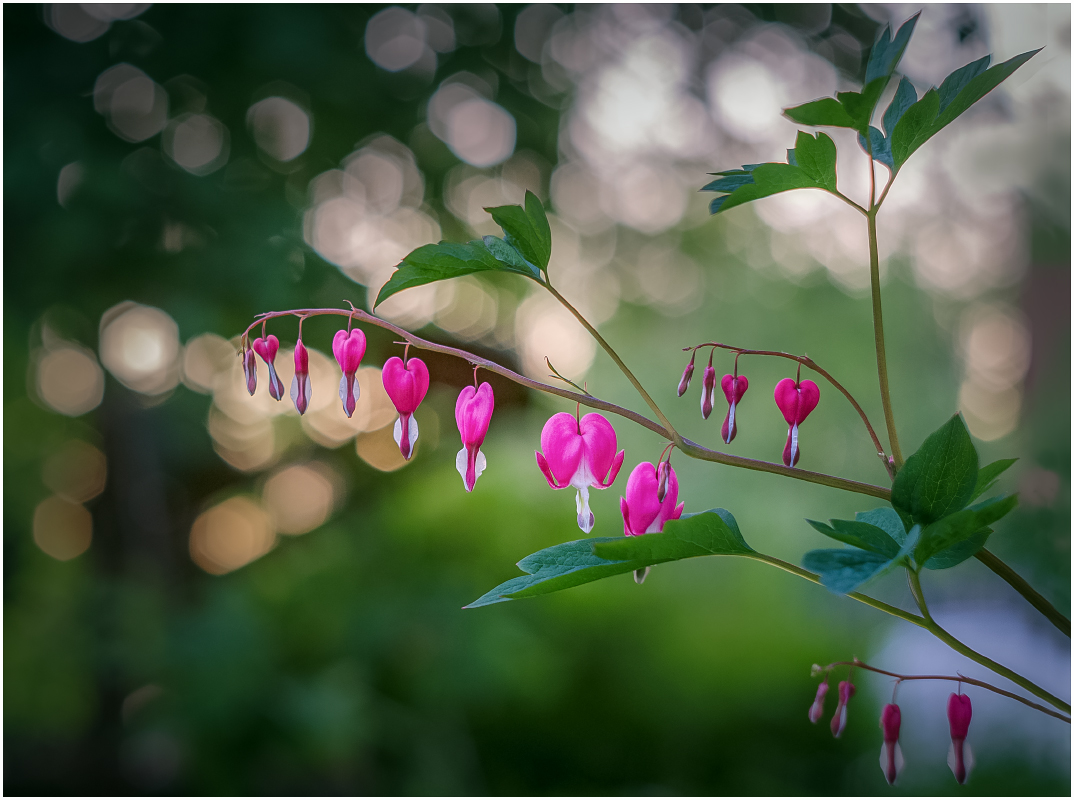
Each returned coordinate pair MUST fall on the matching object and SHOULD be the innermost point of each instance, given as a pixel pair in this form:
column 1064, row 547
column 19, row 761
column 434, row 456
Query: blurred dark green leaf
column 989, row 474
column 957, row 527
column 861, row 535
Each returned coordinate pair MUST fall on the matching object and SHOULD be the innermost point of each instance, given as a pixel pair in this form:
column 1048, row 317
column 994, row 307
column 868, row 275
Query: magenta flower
column 839, row 719
column 473, row 411
column 406, row 385
column 687, row 374
column 816, row 711
column 891, row 754
column 348, row 350
column 249, row 366
column 267, row 349
column 642, row 511
column 579, row 453
column 301, row 389
column 734, row 386
column 708, row 391
column 796, row 400
column 960, row 756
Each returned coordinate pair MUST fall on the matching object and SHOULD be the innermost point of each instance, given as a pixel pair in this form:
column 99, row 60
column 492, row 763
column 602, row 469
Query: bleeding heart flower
column 579, row 453
column 301, row 389
column 734, row 386
column 839, row 719
column 891, row 760
column 687, row 374
column 816, row 711
column 348, row 350
column 249, row 366
column 960, row 756
column 473, row 412
column 267, row 349
column 406, row 385
column 642, row 511
column 796, row 400
column 708, row 391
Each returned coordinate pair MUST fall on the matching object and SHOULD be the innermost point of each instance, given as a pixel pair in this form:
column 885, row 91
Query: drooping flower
column 301, row 389
column 406, row 385
column 960, row 755
column 579, row 453
column 642, row 511
column 891, row 760
column 839, row 718
column 816, row 711
column 708, row 391
column 734, row 386
column 249, row 366
column 687, row 375
column 473, row 411
column 348, row 348
column 796, row 400
column 267, row 349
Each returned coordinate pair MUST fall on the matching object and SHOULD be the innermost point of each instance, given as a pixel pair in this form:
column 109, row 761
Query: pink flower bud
column 891, row 760
column 267, row 349
column 816, row 711
column 348, row 348
column 473, row 412
column 796, row 401
column 708, row 391
column 406, row 385
column 687, row 374
column 579, row 453
column 960, row 756
column 249, row 365
column 642, row 511
column 839, row 718
column 301, row 390
column 662, row 472
column 734, row 386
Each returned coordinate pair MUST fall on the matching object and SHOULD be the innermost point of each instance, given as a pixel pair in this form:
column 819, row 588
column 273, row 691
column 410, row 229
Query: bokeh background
column 204, row 593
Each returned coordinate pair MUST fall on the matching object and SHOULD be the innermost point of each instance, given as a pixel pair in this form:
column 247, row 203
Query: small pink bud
column 348, row 348
column 816, row 711
column 642, row 511
column 708, row 391
column 301, row 389
column 891, row 761
column 687, row 374
column 406, row 385
column 579, row 453
column 662, row 479
column 796, row 401
column 249, row 365
column 960, row 756
column 473, row 412
column 839, row 718
column 734, row 386
column 267, row 349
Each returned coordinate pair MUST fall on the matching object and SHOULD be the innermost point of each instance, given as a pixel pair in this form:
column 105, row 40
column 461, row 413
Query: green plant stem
column 1020, row 585
column 878, row 336
column 945, row 637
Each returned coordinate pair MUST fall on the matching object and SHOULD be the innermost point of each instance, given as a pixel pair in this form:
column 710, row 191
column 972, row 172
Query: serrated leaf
column 816, row 157
column 860, row 105
column 959, row 80
column 957, row 527
column 825, row 112
column 717, row 204
column 939, row 478
column 888, row 51
column 914, row 128
column 881, row 147
column 843, row 571
column 957, row 553
column 861, row 535
column 887, row 519
column 437, row 262
column 905, row 96
column 585, row 560
column 507, row 254
column 987, row 475
column 728, row 183
column 526, row 229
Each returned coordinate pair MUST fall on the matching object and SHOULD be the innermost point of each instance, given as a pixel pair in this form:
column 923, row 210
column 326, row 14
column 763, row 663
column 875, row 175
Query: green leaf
column 826, row 112
column 571, row 564
column 526, row 229
column 905, row 96
column 843, row 571
column 860, row 105
column 887, row 519
column 816, row 157
column 861, row 535
column 914, row 127
column 940, row 477
column 887, row 51
column 957, row 553
column 506, row 254
column 986, row 477
column 957, row 527
column 881, row 147
column 959, row 80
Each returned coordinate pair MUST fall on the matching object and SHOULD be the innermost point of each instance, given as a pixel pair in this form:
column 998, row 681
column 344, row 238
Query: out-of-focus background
column 205, row 593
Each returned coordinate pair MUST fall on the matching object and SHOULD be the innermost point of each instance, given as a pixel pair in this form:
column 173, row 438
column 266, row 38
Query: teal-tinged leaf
column 826, row 112
column 959, row 80
column 905, row 96
column 881, row 147
column 769, row 179
column 571, row 564
column 888, row 51
column 437, row 262
column 717, row 204
column 728, row 183
column 914, row 128
column 860, row 105
column 506, row 254
column 887, row 519
column 843, row 571
column 939, row 478
column 861, row 535
column 987, row 475
column 957, row 527
column 792, row 159
column 957, row 553
column 815, row 156
column 526, row 229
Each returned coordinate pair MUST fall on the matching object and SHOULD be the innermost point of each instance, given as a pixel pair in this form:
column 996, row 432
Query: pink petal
column 787, row 398
column 542, row 463
column 614, row 472
column 810, row 394
column 600, row 444
column 266, row 348
column 407, row 384
column 740, row 386
column 563, row 446
column 473, row 412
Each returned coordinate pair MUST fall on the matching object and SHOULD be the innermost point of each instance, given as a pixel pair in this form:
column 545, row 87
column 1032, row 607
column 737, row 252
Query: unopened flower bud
column 891, row 760
column 662, row 480
column 249, row 365
column 960, row 756
column 301, row 389
column 839, row 718
column 708, row 392
column 687, row 374
column 816, row 711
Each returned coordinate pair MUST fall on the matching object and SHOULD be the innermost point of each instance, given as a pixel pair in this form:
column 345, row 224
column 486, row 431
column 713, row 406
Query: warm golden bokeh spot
column 300, row 497
column 231, row 535
column 77, row 472
column 330, row 427
column 204, row 357
column 140, row 346
column 69, row 380
column 379, row 450
column 62, row 529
